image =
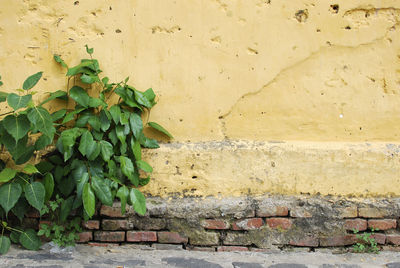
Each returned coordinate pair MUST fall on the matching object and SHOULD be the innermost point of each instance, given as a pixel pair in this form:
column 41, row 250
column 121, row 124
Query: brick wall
column 242, row 224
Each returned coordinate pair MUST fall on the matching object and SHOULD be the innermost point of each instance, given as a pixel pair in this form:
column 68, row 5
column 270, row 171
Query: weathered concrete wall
column 255, row 70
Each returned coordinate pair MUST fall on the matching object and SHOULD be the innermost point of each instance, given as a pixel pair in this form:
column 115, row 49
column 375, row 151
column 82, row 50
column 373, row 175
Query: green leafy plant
column 24, row 130
column 366, row 242
column 94, row 152
column 100, row 143
column 62, row 232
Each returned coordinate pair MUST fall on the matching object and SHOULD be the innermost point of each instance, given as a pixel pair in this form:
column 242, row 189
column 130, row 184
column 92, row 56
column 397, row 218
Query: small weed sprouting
column 366, row 242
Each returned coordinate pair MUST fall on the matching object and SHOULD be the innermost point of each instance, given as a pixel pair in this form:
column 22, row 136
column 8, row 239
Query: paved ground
column 125, row 256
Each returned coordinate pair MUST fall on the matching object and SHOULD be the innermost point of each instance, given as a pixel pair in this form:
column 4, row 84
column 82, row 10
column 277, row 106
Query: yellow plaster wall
column 255, row 70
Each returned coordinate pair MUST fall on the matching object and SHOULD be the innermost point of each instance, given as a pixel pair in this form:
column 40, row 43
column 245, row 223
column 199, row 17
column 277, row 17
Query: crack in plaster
column 222, row 118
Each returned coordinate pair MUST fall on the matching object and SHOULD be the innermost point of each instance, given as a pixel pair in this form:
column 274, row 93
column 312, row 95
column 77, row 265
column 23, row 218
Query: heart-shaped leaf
column 123, row 194
column 30, row 240
column 17, row 126
column 35, row 194
column 16, row 102
column 9, row 195
column 102, row 191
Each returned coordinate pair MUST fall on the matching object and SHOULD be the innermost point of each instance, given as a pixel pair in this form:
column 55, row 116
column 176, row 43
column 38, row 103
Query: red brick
column 171, row 238
column 357, row 224
column 393, row 239
column 282, row 223
column 215, row 224
column 272, row 211
column 91, row 224
column 112, row 212
column 307, row 241
column 105, row 236
column 248, row 224
column 379, row 238
column 370, row 213
column 232, row 248
column 113, row 225
column 382, row 224
column 85, row 237
column 137, row 236
column 339, row 240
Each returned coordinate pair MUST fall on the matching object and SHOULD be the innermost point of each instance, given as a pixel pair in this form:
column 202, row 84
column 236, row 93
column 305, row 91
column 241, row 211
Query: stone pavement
column 128, row 256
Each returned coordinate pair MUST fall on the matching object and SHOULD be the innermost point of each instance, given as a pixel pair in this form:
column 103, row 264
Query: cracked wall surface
column 259, row 69
column 227, row 70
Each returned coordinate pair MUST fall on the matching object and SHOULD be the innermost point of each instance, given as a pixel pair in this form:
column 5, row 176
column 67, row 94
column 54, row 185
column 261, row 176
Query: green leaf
column 95, row 153
column 3, row 96
column 78, row 68
column 115, row 112
column 80, row 183
column 66, row 207
column 88, row 200
column 20, row 208
column 145, row 181
column 7, row 174
column 80, row 96
column 106, row 150
column 89, row 50
column 87, row 145
column 123, row 194
column 44, row 167
column 14, row 236
column 58, row 115
column 58, row 59
column 30, row 169
column 32, row 80
column 5, row 244
column 42, row 142
column 160, row 128
column 15, row 101
column 149, row 94
column 48, row 182
column 59, row 94
column 102, row 191
column 89, row 78
column 144, row 166
column 17, row 126
column 124, row 119
column 30, row 240
column 25, row 156
column 148, row 143
column 35, row 193
column 94, row 121
column 142, row 99
column 138, row 200
column 136, row 124
column 96, row 102
column 42, row 120
column 71, row 115
column 119, row 130
column 9, row 195
column 128, row 169
column 104, row 121
column 113, row 136
column 136, row 149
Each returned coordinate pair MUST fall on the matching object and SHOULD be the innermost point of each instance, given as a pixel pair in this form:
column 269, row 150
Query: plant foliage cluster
column 94, row 153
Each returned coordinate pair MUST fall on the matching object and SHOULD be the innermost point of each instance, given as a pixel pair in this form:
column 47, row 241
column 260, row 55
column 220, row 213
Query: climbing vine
column 93, row 153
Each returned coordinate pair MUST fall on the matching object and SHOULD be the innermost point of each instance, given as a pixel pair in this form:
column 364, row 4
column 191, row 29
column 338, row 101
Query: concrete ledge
column 237, row 168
